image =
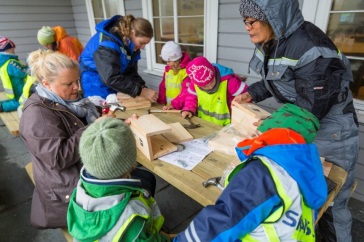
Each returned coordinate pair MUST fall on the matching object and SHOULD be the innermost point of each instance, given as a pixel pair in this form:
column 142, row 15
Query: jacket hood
column 60, row 33
column 185, row 60
column 224, row 71
column 303, row 164
column 283, row 15
column 100, row 203
column 103, row 25
column 4, row 57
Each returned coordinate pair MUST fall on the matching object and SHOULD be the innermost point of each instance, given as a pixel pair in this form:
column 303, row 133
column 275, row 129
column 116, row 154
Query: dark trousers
column 146, row 177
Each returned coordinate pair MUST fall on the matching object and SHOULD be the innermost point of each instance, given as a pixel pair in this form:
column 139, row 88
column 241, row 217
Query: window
column 346, row 29
column 190, row 23
column 99, row 10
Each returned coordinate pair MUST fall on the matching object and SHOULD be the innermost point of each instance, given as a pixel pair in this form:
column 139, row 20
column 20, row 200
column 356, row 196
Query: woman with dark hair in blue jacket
column 109, row 62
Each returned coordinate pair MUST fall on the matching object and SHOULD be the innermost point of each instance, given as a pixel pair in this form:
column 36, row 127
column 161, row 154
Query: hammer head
column 192, row 125
column 117, row 107
column 213, row 181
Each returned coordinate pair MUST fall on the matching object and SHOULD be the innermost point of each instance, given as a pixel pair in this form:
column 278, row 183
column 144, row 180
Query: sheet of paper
column 194, row 152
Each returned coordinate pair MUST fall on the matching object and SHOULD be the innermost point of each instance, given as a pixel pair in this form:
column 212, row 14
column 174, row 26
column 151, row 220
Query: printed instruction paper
column 194, row 152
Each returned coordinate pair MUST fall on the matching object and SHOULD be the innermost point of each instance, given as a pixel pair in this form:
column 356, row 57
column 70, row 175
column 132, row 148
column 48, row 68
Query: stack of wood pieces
column 132, row 103
column 247, row 114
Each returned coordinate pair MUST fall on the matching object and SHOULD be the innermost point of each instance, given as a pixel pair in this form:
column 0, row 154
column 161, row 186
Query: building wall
column 81, row 20
column 20, row 21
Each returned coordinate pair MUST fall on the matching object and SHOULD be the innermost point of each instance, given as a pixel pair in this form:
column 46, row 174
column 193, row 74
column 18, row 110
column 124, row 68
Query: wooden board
column 133, row 103
column 147, row 131
column 337, row 175
column 161, row 146
column 10, row 119
column 178, row 134
column 149, row 125
column 247, row 113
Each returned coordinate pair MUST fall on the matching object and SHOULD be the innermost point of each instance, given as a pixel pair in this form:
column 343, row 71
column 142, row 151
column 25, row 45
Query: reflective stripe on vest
column 173, row 84
column 29, row 80
column 8, row 87
column 213, row 107
column 294, row 220
column 145, row 207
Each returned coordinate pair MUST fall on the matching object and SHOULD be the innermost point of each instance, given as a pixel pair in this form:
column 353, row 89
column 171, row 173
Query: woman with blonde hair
column 51, row 126
column 109, row 62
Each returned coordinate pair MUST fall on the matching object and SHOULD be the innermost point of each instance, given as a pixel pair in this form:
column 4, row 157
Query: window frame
column 322, row 21
column 91, row 17
column 211, row 18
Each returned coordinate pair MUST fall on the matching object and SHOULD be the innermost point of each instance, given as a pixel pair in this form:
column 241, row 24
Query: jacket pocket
column 61, row 194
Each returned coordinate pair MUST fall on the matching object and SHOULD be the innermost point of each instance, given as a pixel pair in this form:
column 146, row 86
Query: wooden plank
column 337, row 175
column 29, row 170
column 150, row 125
column 178, row 134
column 247, row 114
column 11, row 121
column 133, row 103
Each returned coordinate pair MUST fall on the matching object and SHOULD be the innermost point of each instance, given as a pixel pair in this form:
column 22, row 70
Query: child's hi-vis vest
column 293, row 221
column 173, row 84
column 213, row 107
column 8, row 87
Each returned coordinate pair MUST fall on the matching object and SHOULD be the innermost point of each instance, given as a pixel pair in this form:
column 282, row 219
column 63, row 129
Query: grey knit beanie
column 249, row 9
column 108, row 149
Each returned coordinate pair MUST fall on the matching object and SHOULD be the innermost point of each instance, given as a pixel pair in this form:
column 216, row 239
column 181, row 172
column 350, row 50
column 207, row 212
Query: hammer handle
column 164, row 111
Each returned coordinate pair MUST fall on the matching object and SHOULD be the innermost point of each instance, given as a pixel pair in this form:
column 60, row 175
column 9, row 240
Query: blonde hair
column 46, row 64
column 141, row 26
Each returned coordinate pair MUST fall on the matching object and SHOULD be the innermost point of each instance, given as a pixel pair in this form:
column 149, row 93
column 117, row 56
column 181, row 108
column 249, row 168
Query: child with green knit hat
column 110, row 203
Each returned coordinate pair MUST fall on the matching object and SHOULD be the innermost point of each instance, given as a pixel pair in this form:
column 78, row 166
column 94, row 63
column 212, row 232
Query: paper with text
column 194, row 152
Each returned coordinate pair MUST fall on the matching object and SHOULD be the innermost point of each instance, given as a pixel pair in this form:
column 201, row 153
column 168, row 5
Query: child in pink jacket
column 173, row 88
column 212, row 89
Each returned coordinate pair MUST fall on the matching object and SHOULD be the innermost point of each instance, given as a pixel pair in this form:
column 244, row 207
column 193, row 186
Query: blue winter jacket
column 108, row 65
column 246, row 201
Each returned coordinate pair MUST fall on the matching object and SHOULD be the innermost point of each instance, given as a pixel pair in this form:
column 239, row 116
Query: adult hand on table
column 243, row 98
column 149, row 94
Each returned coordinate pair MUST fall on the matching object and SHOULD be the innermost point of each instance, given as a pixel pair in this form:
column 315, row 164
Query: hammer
column 213, row 181
column 163, row 111
column 192, row 125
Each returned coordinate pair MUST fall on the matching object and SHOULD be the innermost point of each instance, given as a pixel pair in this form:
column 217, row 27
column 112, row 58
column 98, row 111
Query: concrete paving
column 16, row 193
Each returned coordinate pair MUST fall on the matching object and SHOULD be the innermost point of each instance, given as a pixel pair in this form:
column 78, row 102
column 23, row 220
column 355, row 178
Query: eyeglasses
column 249, row 24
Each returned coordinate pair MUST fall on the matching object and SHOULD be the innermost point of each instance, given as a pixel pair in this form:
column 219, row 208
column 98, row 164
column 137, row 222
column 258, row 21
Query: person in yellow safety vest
column 175, row 81
column 113, row 200
column 212, row 89
column 13, row 75
column 276, row 190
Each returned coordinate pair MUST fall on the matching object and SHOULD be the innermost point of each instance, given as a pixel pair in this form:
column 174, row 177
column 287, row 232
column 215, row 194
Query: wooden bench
column 10, row 119
column 29, row 170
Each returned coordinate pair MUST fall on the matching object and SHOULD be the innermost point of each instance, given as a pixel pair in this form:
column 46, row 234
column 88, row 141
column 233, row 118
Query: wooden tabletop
column 189, row 182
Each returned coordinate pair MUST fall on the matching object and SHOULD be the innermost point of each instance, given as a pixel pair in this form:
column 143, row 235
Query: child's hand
column 186, row 114
column 128, row 120
column 167, row 108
